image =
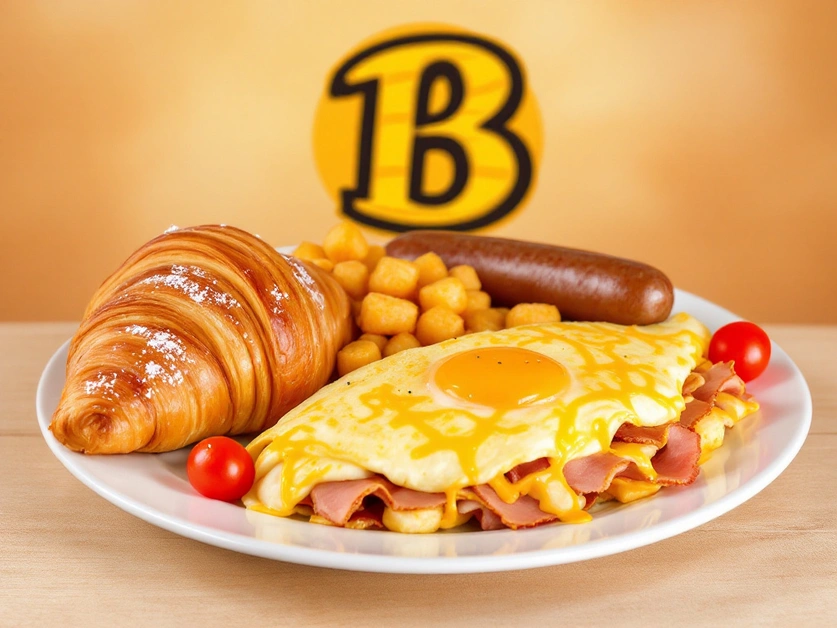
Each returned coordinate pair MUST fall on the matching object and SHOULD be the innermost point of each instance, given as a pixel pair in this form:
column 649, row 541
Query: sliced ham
column 338, row 501
column 654, row 435
column 590, row 499
column 371, row 516
column 594, row 473
column 527, row 468
column 676, row 463
column 524, row 513
column 694, row 412
column 720, row 377
column 483, row 514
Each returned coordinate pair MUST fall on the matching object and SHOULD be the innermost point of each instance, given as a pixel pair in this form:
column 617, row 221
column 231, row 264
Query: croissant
column 202, row 331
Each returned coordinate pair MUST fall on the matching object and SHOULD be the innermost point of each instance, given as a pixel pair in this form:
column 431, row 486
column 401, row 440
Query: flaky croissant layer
column 202, row 331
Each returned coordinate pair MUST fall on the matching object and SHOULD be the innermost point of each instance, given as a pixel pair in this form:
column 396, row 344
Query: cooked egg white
column 466, row 411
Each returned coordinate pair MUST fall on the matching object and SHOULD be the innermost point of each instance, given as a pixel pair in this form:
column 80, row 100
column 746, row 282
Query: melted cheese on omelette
column 466, row 411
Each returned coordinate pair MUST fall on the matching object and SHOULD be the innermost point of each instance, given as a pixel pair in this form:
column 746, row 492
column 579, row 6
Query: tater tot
column 373, row 256
column 493, row 319
column 448, row 292
column 324, row 263
column 477, row 300
column 356, row 354
column 400, row 342
column 467, row 275
column 378, row 339
column 383, row 314
column 353, row 276
column 309, row 251
column 431, row 268
column 438, row 324
column 531, row 313
column 345, row 242
column 395, row 277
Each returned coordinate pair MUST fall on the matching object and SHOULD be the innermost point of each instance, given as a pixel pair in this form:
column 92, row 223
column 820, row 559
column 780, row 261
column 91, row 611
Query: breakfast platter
column 420, row 430
column 156, row 489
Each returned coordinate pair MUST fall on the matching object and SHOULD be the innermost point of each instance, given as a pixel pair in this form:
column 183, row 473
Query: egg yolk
column 501, row 377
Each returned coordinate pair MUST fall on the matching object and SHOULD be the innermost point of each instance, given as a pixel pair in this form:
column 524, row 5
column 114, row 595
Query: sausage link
column 585, row 286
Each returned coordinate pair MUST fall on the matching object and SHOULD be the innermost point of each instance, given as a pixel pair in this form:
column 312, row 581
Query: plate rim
column 382, row 563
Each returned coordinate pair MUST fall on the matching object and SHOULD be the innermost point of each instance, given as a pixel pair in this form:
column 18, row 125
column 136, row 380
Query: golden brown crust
column 202, row 331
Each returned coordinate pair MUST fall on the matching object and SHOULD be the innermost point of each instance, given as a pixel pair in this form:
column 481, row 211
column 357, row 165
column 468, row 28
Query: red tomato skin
column 220, row 468
column 746, row 344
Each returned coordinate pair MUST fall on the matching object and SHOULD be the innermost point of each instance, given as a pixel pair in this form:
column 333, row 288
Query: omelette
column 514, row 428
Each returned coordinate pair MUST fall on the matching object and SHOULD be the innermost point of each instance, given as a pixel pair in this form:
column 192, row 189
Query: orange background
column 698, row 136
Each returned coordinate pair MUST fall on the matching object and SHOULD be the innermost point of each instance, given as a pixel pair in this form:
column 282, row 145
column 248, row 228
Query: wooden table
column 68, row 557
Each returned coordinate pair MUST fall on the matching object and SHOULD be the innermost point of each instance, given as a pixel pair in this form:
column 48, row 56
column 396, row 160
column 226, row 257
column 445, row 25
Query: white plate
column 154, row 487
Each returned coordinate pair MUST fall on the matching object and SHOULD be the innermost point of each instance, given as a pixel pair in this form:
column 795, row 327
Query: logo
column 428, row 127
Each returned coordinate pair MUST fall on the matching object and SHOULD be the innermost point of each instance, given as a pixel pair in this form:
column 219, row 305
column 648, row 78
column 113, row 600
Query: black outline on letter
column 340, row 87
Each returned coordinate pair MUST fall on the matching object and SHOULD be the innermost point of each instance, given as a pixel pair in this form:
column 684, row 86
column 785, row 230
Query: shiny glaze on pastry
column 202, row 331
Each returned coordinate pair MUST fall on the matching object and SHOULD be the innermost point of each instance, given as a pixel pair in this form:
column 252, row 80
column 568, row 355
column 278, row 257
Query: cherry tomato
column 220, row 468
column 744, row 343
